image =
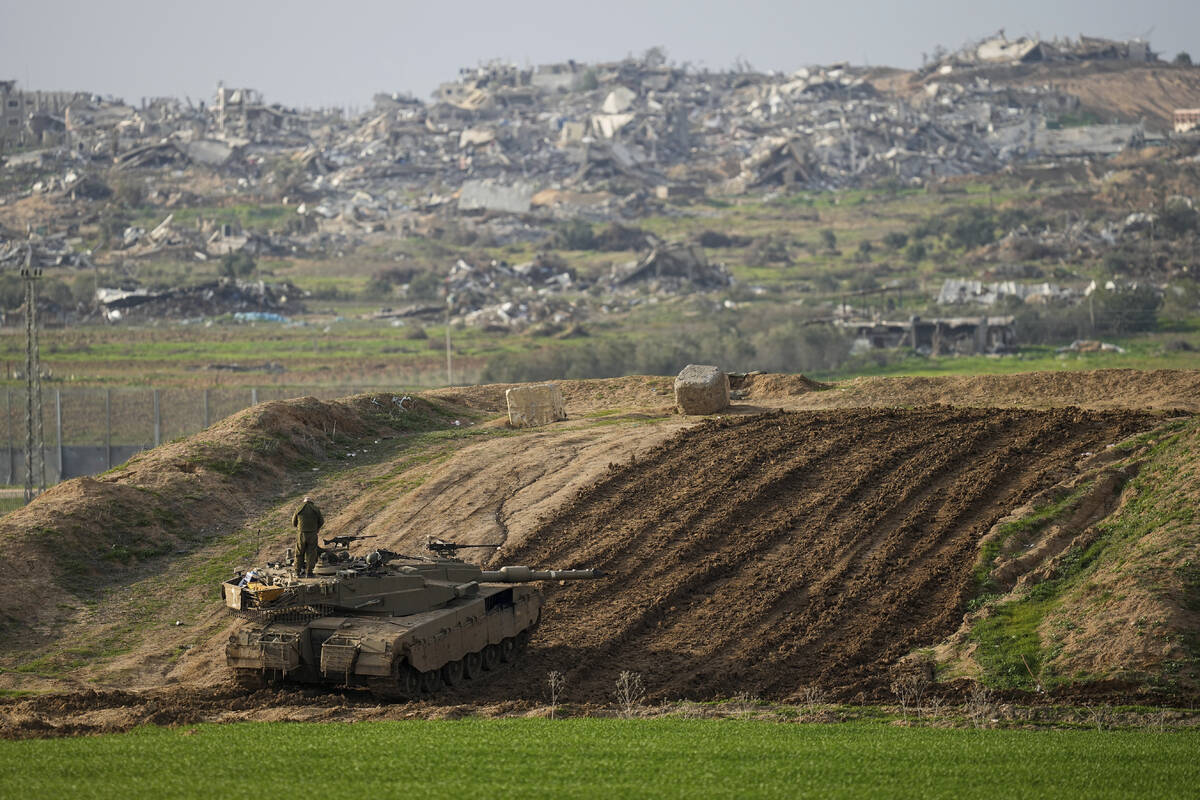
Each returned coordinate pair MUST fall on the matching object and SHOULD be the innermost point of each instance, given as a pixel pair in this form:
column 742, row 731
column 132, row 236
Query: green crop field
column 602, row 758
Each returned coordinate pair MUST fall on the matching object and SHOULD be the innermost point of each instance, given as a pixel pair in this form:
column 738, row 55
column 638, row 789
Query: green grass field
column 602, row 758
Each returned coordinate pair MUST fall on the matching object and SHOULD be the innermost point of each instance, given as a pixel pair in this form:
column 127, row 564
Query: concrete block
column 534, row 405
column 488, row 195
column 701, row 390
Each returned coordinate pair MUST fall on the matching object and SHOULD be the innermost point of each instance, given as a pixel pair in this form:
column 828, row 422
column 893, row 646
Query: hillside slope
column 790, row 550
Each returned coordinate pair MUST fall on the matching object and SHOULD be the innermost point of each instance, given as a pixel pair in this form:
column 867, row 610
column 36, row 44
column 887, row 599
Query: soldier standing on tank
column 307, row 520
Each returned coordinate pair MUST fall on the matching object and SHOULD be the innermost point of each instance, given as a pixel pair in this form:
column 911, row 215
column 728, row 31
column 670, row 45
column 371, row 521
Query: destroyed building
column 941, row 336
column 32, row 117
column 1187, row 120
column 225, row 296
column 500, row 133
column 999, row 49
column 504, row 153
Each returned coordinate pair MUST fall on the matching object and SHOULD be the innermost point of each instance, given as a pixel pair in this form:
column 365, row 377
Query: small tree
column 1182, row 59
column 829, row 239
column 575, row 234
column 237, row 265
column 915, row 252
column 974, row 228
column 425, row 286
column 1179, row 218
column 629, row 691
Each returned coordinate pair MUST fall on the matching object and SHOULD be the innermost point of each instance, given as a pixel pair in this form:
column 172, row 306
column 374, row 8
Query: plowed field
column 782, row 551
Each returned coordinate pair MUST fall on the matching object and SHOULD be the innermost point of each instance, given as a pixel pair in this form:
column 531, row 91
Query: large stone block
column 534, row 405
column 701, row 390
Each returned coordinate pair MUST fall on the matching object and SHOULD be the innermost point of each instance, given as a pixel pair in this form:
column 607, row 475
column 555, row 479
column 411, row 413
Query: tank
column 399, row 626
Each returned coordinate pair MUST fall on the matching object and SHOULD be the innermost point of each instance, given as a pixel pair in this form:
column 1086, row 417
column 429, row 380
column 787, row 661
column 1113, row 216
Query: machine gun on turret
column 343, row 541
column 446, row 549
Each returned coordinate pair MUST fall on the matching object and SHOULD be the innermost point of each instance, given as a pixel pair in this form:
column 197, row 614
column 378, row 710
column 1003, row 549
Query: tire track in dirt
column 788, row 550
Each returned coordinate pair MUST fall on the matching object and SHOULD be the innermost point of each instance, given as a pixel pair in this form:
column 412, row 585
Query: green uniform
column 307, row 521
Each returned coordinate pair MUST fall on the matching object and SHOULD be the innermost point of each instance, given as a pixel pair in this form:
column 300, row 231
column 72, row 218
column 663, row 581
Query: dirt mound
column 634, row 391
column 86, row 533
column 1150, row 93
column 1162, row 389
column 761, row 385
column 1109, row 89
column 789, row 550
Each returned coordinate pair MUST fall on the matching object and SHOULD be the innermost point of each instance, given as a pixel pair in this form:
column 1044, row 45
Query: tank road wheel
column 431, row 681
column 452, row 673
column 405, row 682
column 472, row 665
column 508, row 649
column 251, row 679
column 491, row 656
column 408, row 680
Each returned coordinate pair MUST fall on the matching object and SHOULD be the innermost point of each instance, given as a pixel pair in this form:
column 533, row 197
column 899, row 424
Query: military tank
column 399, row 626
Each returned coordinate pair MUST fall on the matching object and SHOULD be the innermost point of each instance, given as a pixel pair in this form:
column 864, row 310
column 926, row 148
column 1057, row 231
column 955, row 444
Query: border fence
column 87, row 430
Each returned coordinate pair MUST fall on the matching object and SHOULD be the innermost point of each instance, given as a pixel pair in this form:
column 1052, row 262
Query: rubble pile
column 499, row 136
column 252, row 300
column 672, row 265
column 54, row 250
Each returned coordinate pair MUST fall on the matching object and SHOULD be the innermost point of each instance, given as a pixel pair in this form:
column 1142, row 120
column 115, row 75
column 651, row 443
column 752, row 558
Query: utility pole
column 449, row 369
column 34, row 439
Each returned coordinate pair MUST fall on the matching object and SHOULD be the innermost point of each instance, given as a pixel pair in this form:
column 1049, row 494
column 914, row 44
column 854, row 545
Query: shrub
column 425, row 286
column 130, row 193
column 1179, row 218
column 575, row 234
column 973, row 228
column 915, row 252
column 237, row 265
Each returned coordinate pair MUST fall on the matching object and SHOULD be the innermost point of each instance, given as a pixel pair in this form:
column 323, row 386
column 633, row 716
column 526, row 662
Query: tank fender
column 374, row 657
column 439, row 643
column 511, row 620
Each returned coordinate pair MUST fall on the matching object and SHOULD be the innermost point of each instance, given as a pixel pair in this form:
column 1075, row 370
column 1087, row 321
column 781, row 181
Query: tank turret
column 397, row 625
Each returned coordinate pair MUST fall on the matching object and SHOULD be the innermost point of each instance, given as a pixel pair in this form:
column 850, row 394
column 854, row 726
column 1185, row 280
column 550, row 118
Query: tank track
column 251, row 679
column 407, row 683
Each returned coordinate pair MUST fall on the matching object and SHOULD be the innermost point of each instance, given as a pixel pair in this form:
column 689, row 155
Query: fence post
column 108, row 428
column 58, row 431
column 254, row 395
column 157, row 421
column 206, row 423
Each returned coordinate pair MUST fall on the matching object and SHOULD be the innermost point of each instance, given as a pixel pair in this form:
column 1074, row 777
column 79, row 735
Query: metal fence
column 88, row 430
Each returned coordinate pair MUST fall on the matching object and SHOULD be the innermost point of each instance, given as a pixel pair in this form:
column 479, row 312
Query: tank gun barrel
column 525, row 574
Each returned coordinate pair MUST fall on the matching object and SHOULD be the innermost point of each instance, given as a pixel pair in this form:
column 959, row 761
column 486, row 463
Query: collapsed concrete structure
column 499, row 134
column 942, row 336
